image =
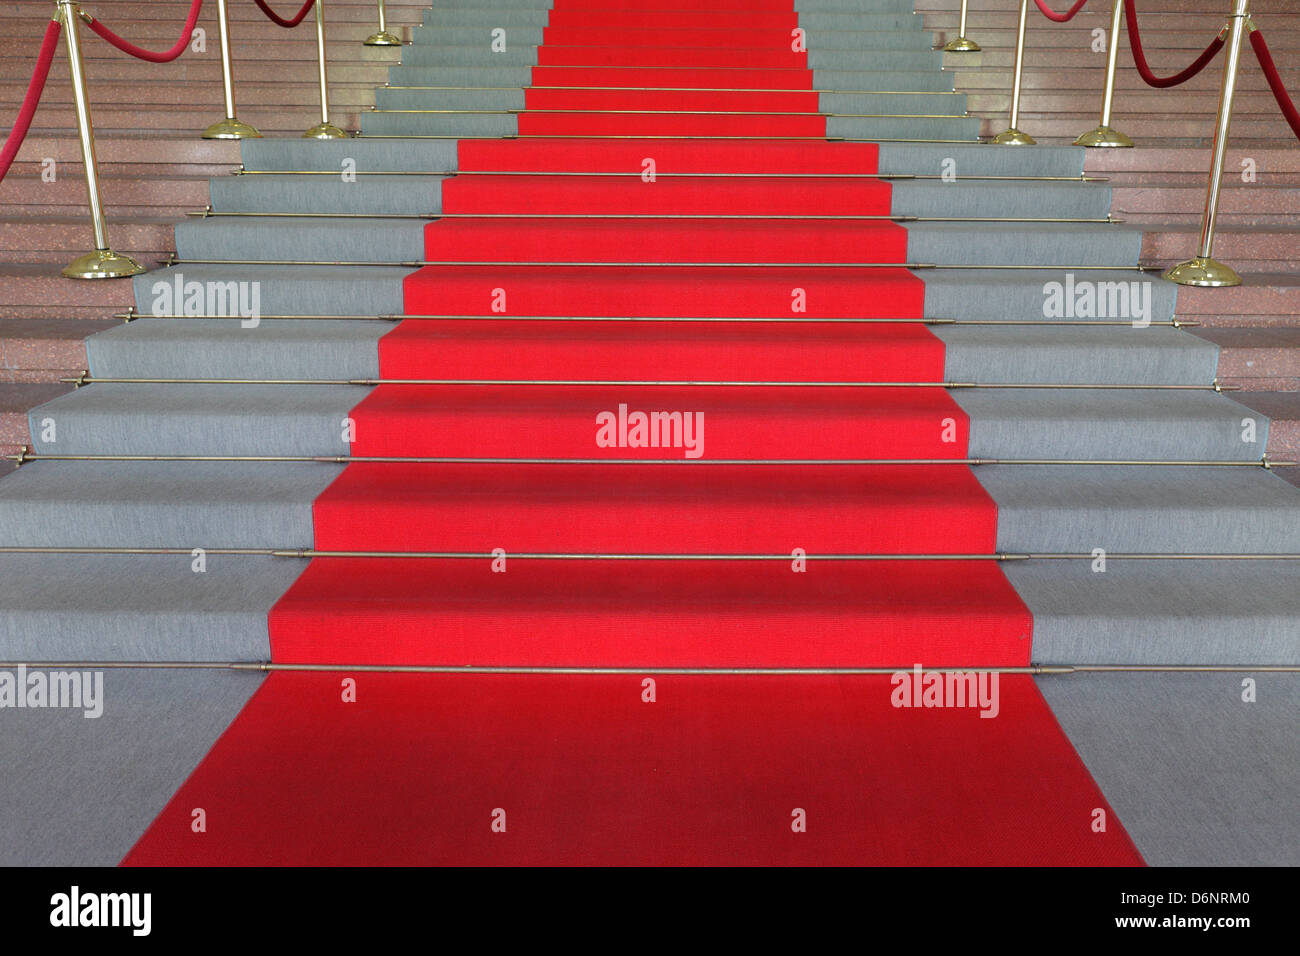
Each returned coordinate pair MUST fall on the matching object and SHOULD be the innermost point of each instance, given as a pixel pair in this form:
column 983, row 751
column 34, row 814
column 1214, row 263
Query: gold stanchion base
column 1013, row 137
column 325, row 131
column 961, row 45
column 1104, row 136
column 383, row 38
column 231, row 128
column 1200, row 271
column 102, row 264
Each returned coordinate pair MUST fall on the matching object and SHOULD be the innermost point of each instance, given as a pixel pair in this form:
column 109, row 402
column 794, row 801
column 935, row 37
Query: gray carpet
column 1198, row 777
column 90, row 787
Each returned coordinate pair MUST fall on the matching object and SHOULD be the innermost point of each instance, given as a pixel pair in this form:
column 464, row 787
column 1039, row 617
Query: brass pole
column 1104, row 135
column 103, row 263
column 324, row 129
column 230, row 127
column 383, row 37
column 960, row 43
column 1204, row 270
column 1012, row 136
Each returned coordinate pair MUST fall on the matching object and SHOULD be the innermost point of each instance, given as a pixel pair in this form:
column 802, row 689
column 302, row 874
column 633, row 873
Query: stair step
column 1283, row 411
column 16, row 400
column 1259, row 359
column 1254, row 248
column 1263, row 299
column 43, row 350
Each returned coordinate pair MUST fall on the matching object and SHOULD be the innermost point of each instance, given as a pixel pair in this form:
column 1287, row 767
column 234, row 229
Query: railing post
column 1204, row 269
column 383, row 37
column 961, row 43
column 1104, row 135
column 103, row 263
column 230, row 127
column 1012, row 136
column 324, row 129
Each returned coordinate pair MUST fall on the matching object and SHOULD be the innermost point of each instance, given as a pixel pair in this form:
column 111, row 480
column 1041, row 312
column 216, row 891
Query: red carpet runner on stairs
column 430, row 768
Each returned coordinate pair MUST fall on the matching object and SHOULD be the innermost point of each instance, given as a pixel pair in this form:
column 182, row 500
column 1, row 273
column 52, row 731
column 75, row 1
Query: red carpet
column 663, row 351
column 718, row 767
column 651, row 614
column 712, row 772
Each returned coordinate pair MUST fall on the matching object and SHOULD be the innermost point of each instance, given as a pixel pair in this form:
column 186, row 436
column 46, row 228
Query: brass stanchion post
column 230, row 127
column 1104, row 135
column 324, row 129
column 383, row 37
column 960, row 43
column 1204, row 269
column 1011, row 136
column 103, row 263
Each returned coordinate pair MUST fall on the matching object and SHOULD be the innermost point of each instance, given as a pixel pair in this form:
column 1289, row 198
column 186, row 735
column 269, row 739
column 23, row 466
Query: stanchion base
column 1209, row 273
column 1104, row 136
column 961, row 45
column 1013, row 137
column 325, row 131
column 102, row 264
column 231, row 128
column 383, row 38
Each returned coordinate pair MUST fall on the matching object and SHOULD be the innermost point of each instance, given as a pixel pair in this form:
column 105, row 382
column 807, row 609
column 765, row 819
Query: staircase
column 435, row 349
column 154, row 167
column 1160, row 186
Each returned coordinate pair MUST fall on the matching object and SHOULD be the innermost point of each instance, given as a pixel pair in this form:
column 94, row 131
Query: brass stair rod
column 230, row 127
column 1053, row 670
column 961, row 43
column 324, row 129
column 130, row 315
column 1104, row 135
column 1204, row 270
column 85, row 378
column 24, row 455
column 1012, row 136
column 311, row 553
column 103, row 263
column 210, row 213
column 173, row 260
column 598, row 174
column 383, row 37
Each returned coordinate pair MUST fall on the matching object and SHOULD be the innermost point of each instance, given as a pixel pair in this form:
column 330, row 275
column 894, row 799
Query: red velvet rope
column 166, row 56
column 34, row 88
column 1140, row 60
column 281, row 21
column 1275, row 81
column 1065, row 17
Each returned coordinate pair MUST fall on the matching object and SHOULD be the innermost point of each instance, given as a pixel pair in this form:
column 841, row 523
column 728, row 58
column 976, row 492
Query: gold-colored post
column 1104, row 135
column 230, row 127
column 103, row 263
column 1204, row 270
column 960, row 43
column 383, row 37
column 324, row 129
column 1012, row 136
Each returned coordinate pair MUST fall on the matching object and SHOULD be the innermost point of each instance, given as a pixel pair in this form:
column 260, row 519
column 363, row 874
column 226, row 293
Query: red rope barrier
column 1275, row 81
column 24, row 121
column 277, row 19
column 1065, row 17
column 166, row 56
column 1140, row 60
